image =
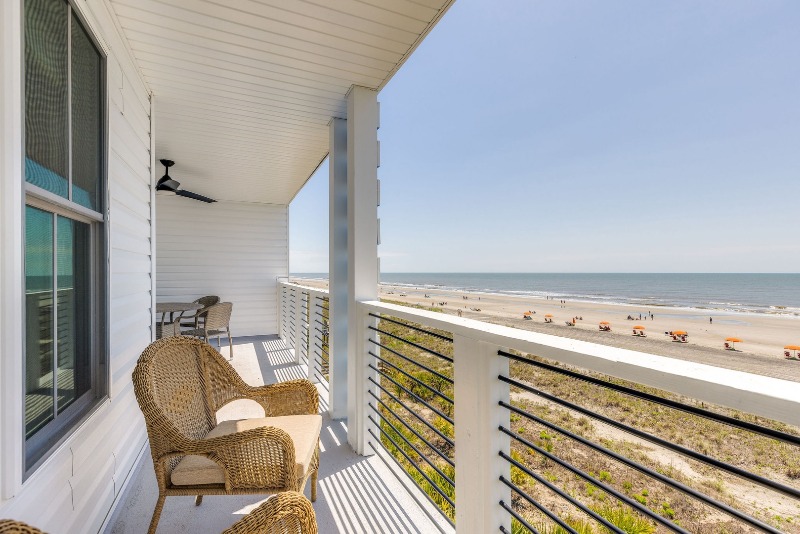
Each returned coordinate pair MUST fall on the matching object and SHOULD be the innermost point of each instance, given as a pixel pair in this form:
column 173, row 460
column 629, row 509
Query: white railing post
column 314, row 345
column 358, row 423
column 279, row 307
column 478, row 442
column 299, row 320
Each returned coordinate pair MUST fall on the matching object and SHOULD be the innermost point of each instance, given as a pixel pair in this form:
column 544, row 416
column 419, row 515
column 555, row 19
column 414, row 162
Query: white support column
column 11, row 248
column 337, row 268
column 478, row 442
column 300, row 321
column 362, row 247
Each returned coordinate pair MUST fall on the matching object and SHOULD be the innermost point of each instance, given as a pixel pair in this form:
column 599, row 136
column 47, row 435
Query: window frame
column 50, row 437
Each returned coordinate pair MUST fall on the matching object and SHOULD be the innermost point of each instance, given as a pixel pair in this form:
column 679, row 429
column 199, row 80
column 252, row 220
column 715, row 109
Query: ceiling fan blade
column 195, row 196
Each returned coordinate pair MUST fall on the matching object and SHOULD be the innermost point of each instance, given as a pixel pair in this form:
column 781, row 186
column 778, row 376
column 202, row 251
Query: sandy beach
column 761, row 351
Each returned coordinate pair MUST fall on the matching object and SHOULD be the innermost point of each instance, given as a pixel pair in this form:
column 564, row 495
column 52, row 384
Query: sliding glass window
column 65, row 251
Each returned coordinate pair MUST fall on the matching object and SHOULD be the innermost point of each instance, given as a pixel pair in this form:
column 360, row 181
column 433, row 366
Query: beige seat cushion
column 303, row 429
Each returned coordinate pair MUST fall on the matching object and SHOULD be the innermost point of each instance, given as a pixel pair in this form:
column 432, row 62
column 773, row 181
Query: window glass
column 46, row 110
column 39, row 384
column 87, row 114
column 73, row 312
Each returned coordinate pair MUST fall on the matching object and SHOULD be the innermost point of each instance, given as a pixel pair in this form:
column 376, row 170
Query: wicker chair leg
column 230, row 342
column 156, row 514
column 198, row 500
column 314, row 486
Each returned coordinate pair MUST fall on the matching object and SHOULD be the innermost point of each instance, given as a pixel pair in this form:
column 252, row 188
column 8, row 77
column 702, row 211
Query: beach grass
column 759, row 454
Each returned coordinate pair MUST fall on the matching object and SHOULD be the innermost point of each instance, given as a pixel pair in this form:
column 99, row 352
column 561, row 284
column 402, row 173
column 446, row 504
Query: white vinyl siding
column 235, row 250
column 74, row 489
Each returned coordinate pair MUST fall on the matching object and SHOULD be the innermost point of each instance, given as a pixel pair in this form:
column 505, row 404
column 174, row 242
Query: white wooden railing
column 478, row 391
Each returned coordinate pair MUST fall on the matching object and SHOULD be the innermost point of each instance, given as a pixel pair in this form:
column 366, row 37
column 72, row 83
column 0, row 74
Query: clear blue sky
column 587, row 136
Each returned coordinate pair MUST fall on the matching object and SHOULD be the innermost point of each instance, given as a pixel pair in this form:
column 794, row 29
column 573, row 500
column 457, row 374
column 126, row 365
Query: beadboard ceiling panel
column 245, row 89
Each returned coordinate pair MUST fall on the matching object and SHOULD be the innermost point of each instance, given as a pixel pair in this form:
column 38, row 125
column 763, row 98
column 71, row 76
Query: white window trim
column 12, row 203
column 14, row 192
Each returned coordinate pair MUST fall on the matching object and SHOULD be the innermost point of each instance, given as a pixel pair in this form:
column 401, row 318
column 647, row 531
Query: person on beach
column 710, row 320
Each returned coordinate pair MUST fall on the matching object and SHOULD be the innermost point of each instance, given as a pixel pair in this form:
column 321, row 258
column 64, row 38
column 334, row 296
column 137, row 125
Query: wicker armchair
column 10, row 526
column 180, row 383
column 193, row 321
column 216, row 321
column 286, row 513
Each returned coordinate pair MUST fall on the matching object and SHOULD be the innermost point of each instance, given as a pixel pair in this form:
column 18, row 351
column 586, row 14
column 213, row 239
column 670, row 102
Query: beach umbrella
column 792, row 347
column 733, row 339
column 679, row 333
column 548, row 315
column 604, row 322
column 637, row 327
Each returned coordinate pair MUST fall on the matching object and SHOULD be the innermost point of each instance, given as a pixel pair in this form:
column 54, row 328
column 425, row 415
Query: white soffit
column 244, row 89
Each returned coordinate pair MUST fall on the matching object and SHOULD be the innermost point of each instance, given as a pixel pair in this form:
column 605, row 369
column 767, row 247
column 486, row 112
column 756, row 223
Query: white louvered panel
column 231, row 249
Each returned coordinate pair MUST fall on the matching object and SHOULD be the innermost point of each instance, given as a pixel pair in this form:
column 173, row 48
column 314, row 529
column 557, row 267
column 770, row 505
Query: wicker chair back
column 218, row 316
column 208, row 300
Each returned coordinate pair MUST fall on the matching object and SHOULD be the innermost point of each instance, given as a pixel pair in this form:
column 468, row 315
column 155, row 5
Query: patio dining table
column 172, row 308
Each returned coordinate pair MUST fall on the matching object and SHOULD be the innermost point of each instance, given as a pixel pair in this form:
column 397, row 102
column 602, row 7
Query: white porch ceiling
column 244, row 89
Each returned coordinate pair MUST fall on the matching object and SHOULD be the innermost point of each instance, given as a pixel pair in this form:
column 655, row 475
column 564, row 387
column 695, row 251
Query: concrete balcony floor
column 356, row 494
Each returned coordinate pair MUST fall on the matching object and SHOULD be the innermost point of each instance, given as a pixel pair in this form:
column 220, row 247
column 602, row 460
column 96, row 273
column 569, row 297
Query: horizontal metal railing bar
column 769, row 432
column 320, row 323
column 416, row 345
column 608, row 489
column 560, row 522
column 323, row 381
column 318, row 305
column 630, row 463
column 518, row 517
column 397, row 462
column 555, row 489
column 418, row 329
column 773, row 398
column 415, row 414
column 427, row 443
column 777, row 486
column 419, row 470
column 412, row 377
column 411, row 360
column 419, row 399
column 413, row 447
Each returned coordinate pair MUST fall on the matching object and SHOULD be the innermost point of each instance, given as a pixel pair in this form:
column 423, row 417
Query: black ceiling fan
column 168, row 184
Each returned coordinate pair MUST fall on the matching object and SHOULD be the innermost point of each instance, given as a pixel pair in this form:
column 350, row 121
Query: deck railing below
column 513, row 431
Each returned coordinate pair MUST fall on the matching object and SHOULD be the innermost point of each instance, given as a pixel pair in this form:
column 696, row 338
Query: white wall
column 74, row 489
column 235, row 250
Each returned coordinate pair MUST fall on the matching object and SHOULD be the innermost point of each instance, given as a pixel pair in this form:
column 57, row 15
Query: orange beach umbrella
column 792, row 347
column 733, row 339
column 638, row 327
column 548, row 315
column 679, row 333
column 604, row 322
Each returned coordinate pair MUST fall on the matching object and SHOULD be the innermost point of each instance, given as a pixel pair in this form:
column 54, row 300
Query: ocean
column 775, row 294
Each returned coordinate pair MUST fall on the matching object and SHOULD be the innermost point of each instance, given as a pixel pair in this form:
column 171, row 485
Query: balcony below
column 356, row 493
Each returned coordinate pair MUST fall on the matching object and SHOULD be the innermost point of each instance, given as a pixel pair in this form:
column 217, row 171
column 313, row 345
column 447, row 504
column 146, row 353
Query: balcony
column 556, row 433
column 356, row 493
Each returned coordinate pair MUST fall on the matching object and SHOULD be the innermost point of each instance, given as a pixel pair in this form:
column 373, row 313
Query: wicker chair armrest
column 256, row 458
column 293, row 397
column 11, row 526
column 287, row 512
